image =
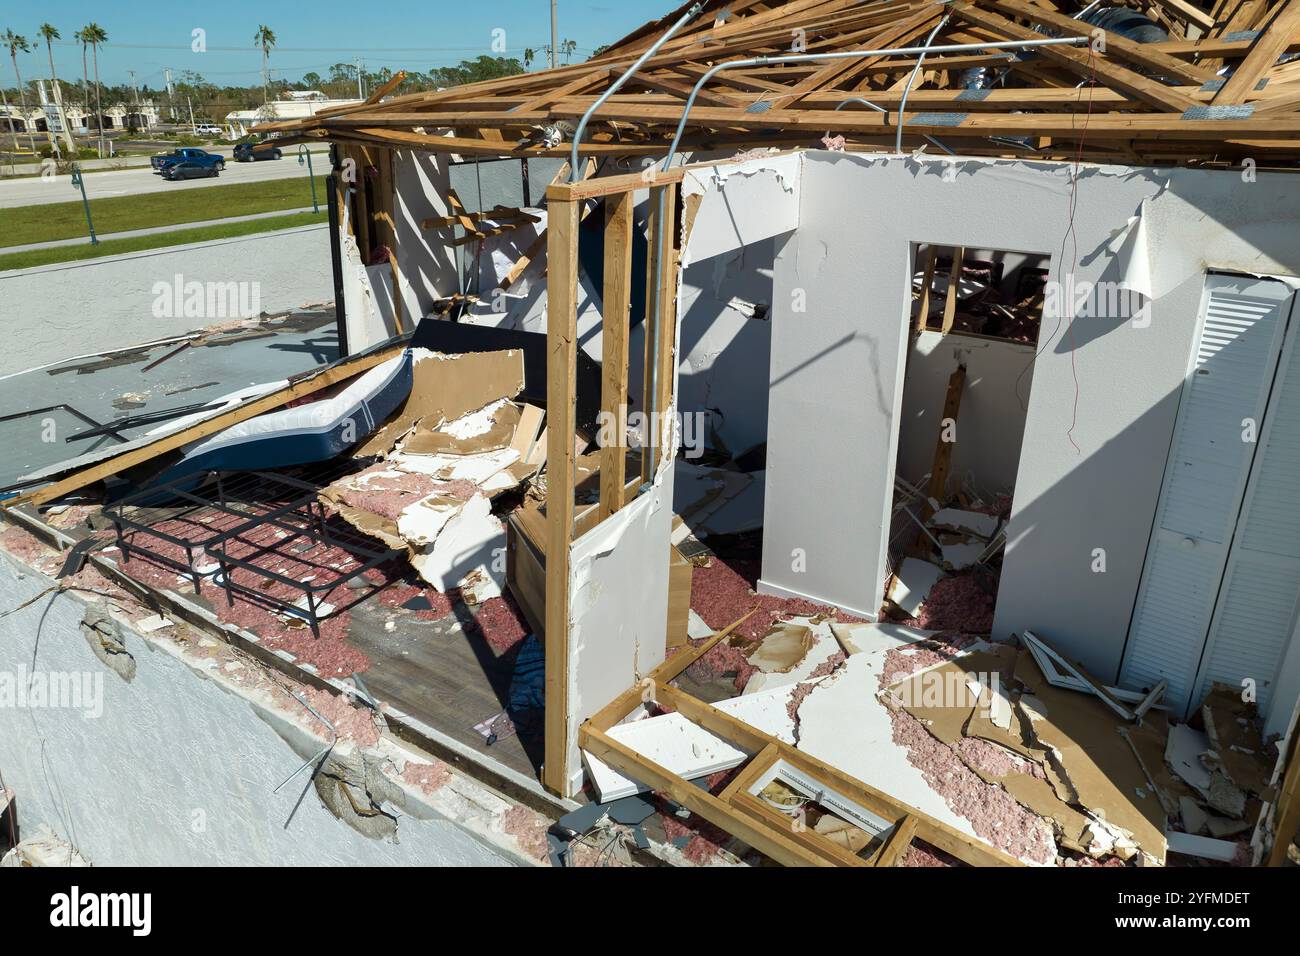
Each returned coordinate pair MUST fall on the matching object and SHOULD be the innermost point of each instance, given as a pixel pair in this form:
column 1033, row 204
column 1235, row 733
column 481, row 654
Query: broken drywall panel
column 874, row 638
column 1096, row 761
column 1183, row 753
column 965, row 522
column 670, row 740
column 1188, row 844
column 470, row 543
column 617, row 595
column 716, row 500
column 766, row 710
column 912, row 582
column 741, row 203
column 791, row 652
column 844, row 724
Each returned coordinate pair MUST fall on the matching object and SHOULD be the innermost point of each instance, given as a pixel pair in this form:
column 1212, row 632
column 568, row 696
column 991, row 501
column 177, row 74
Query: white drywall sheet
column 618, row 607
column 1105, row 386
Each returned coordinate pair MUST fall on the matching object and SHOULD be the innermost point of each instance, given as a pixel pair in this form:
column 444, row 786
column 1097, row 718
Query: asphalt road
column 34, row 191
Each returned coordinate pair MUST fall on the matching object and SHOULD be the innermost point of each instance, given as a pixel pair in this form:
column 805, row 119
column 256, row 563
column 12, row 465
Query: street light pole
column 555, row 38
column 78, row 182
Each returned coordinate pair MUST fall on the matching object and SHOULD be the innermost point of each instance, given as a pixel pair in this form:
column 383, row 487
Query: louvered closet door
column 1255, row 616
column 1242, row 325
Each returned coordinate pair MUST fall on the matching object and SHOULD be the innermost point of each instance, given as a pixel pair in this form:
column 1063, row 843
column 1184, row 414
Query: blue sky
column 148, row 36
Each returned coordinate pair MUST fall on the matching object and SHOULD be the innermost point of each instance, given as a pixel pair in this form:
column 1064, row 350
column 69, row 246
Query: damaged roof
column 1177, row 82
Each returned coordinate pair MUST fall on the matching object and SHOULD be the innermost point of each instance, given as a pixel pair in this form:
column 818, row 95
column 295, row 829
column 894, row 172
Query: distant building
column 295, row 104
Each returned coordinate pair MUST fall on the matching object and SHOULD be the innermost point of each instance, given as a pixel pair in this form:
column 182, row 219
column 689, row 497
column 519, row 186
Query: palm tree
column 94, row 35
column 529, row 55
column 265, row 39
column 49, row 33
column 568, row 46
column 80, row 37
column 15, row 43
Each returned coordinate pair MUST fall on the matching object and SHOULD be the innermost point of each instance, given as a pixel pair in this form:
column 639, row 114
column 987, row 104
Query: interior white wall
column 991, row 418
column 836, row 368
column 428, row 264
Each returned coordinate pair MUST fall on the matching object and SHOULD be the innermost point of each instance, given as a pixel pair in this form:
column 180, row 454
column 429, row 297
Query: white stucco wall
column 181, row 765
column 837, row 368
column 52, row 313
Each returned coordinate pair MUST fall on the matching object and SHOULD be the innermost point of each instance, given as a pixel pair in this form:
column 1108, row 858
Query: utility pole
column 555, row 38
column 136, row 97
column 171, row 102
column 190, row 107
column 361, row 90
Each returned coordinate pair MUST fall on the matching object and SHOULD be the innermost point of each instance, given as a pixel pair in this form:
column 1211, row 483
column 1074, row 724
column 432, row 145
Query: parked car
column 252, row 152
column 188, row 154
column 207, row 129
column 188, row 169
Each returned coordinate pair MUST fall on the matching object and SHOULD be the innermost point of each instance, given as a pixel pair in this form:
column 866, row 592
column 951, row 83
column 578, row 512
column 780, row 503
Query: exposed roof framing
column 1220, row 88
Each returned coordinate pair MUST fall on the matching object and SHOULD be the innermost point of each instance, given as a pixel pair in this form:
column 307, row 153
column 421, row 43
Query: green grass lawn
column 158, row 240
column 67, row 220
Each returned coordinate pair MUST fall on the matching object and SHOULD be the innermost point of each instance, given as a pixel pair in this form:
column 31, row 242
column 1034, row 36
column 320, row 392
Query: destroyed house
column 883, row 416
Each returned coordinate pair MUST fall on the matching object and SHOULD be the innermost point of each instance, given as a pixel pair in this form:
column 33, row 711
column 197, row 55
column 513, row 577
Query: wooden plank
column 895, row 848
column 1287, row 819
column 614, row 349
column 609, row 185
column 1116, row 45
column 954, row 289
column 387, row 88
column 778, row 846
column 657, row 387
column 938, row 486
column 561, row 384
column 1083, row 64
column 1264, row 51
column 927, row 281
column 810, row 840
column 742, row 781
column 308, row 384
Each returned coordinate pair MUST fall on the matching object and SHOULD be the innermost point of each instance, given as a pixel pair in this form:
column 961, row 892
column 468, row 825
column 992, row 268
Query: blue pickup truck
column 190, row 156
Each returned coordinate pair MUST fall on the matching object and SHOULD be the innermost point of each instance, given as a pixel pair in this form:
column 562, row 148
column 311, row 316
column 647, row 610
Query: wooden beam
column 1083, row 64
column 616, row 299
column 1264, row 51
column 932, row 831
column 761, row 837
column 387, row 88
column 1286, row 819
column 895, row 848
column 954, row 289
column 561, row 384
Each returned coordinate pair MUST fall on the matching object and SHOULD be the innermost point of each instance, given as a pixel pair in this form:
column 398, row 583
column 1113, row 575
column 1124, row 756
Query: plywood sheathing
column 1145, row 103
column 1083, row 736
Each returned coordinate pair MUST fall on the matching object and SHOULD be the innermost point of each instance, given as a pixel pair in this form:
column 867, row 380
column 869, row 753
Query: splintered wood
column 1218, row 85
